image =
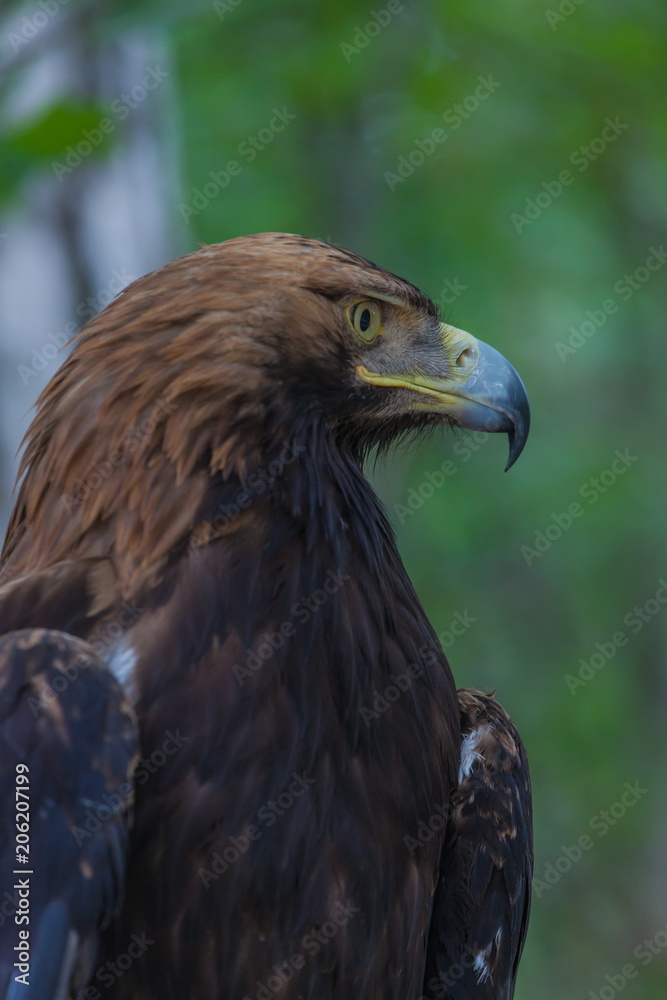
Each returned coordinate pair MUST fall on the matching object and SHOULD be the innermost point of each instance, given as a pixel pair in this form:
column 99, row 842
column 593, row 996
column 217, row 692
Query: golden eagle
column 234, row 765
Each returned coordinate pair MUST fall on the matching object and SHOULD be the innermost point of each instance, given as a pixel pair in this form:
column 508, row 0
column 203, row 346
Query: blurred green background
column 535, row 214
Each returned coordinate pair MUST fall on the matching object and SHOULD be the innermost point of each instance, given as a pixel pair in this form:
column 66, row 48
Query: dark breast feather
column 248, row 736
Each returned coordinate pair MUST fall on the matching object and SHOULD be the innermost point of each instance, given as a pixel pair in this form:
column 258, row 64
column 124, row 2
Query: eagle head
column 202, row 369
column 331, row 336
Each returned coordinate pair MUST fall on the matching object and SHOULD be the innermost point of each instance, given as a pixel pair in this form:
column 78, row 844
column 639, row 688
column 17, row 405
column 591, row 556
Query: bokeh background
column 509, row 159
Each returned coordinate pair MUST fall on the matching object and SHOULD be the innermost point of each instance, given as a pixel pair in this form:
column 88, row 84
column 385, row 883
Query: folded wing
column 482, row 902
column 68, row 748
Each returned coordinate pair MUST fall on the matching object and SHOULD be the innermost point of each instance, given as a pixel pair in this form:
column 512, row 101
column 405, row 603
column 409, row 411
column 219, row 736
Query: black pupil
column 364, row 320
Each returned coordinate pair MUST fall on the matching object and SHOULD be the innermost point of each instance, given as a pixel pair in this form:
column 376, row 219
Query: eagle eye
column 365, row 318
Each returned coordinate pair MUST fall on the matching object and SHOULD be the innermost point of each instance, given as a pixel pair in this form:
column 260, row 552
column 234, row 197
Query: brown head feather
column 181, row 377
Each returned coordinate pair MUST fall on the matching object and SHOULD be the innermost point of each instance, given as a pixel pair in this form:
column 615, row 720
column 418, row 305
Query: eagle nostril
column 464, row 358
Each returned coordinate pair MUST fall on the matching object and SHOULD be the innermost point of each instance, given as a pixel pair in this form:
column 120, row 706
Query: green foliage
column 33, row 145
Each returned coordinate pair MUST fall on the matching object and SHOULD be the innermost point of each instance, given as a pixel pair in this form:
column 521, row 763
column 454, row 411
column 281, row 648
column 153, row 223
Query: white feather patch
column 122, row 662
column 469, row 752
column 481, row 968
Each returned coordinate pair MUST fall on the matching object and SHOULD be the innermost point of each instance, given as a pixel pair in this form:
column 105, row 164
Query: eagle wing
column 68, row 746
column 482, row 903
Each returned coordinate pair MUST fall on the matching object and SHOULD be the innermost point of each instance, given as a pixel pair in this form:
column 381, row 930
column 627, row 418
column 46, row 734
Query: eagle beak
column 481, row 391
